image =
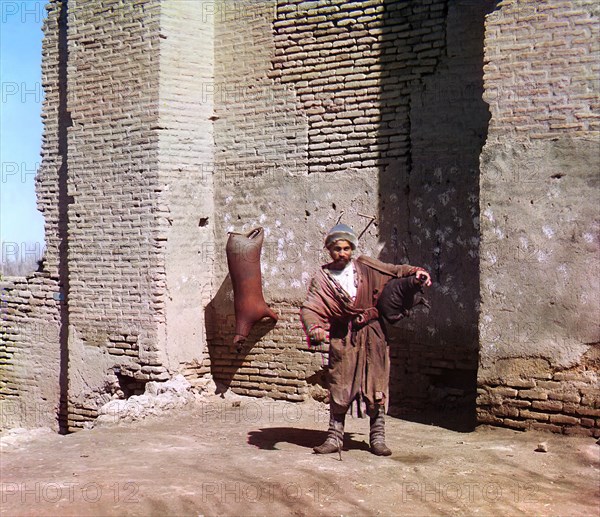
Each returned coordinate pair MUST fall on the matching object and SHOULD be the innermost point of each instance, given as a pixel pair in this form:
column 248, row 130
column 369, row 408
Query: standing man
column 341, row 301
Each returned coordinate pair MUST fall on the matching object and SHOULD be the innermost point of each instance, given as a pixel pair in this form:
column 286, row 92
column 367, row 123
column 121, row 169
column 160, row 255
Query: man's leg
column 377, row 433
column 335, row 433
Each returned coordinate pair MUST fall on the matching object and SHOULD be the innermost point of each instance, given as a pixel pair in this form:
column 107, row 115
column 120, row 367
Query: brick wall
column 186, row 168
column 115, row 265
column 563, row 402
column 326, row 107
column 540, row 221
column 169, row 124
column 53, row 139
column 429, row 207
column 279, row 364
column 29, row 358
column 30, row 310
column 542, row 69
column 260, row 179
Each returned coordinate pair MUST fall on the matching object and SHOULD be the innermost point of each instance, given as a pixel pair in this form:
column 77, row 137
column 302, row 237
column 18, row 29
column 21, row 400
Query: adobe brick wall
column 430, row 199
column 30, row 309
column 169, row 124
column 186, row 168
column 29, row 352
column 539, row 340
column 365, row 107
column 115, row 265
column 541, row 69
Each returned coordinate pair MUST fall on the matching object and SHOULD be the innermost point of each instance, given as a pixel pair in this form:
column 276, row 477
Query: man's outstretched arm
column 398, row 270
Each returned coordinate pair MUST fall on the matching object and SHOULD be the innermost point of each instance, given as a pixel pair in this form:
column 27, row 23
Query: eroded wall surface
column 29, row 353
column 186, row 170
column 126, row 190
column 334, row 109
column 114, row 266
column 539, row 339
column 32, row 387
column 169, row 124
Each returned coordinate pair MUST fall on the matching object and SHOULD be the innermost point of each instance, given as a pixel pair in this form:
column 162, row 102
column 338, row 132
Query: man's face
column 341, row 253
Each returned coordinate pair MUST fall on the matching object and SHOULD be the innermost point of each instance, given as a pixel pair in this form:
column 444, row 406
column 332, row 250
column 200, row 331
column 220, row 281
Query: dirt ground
column 235, row 457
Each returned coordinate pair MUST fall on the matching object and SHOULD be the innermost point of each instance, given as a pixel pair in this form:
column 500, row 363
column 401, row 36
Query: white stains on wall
column 281, row 255
column 563, row 274
column 523, row 242
column 491, row 258
column 305, row 278
column 490, row 286
column 548, row 231
column 445, row 197
column 542, row 256
column 488, row 332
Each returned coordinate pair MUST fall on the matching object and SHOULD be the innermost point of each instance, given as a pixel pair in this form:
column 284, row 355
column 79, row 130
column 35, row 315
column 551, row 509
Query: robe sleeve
column 314, row 311
column 397, row 270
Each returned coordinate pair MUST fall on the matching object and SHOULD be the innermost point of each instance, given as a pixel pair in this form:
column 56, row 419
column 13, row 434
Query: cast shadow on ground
column 267, row 438
column 461, row 421
column 225, row 357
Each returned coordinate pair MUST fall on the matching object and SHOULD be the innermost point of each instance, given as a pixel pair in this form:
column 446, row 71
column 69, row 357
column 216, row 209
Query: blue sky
column 21, row 224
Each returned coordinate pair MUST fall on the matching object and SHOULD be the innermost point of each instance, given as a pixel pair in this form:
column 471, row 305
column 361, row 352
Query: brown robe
column 359, row 360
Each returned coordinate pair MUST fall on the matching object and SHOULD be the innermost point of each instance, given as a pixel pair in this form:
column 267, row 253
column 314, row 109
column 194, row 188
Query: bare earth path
column 254, row 457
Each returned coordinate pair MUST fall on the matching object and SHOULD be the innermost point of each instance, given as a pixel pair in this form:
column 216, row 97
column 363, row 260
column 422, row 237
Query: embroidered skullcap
column 341, row 232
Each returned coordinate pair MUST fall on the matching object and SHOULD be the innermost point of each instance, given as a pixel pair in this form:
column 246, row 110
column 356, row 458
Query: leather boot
column 377, row 435
column 335, row 435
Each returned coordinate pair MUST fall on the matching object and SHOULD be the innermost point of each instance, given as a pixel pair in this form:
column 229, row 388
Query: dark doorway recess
column 433, row 126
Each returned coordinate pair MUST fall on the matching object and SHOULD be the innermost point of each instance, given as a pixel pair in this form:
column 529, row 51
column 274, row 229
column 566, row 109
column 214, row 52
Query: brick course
column 563, row 407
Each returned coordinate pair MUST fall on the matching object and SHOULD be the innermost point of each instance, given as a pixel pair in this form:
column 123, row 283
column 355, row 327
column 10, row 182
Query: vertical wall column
column 540, row 222
column 186, row 174
column 115, row 264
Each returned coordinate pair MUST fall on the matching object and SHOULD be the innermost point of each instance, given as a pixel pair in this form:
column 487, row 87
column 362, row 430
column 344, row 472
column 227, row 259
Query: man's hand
column 371, row 313
column 423, row 277
column 317, row 334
